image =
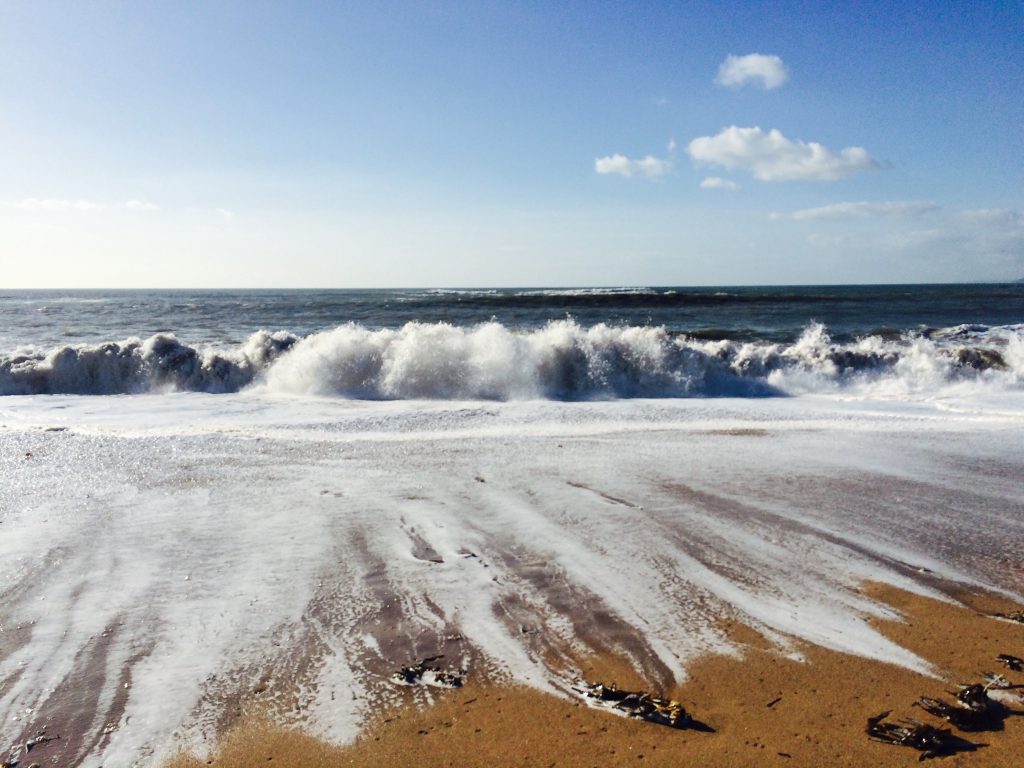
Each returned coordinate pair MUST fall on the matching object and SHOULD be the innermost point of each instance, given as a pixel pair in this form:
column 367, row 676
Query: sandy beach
column 725, row 554
column 763, row 708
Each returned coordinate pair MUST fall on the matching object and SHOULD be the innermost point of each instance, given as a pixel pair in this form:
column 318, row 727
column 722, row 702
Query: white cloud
column 139, row 205
column 715, row 182
column 650, row 167
column 891, row 209
column 772, row 157
column 54, row 204
column 737, row 71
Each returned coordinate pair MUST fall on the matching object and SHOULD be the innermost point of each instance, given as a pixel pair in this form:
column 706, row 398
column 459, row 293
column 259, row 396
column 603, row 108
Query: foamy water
column 163, row 556
column 561, row 360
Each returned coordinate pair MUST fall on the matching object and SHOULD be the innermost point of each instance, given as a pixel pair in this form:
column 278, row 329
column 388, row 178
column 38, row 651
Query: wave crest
column 562, row 361
column 159, row 363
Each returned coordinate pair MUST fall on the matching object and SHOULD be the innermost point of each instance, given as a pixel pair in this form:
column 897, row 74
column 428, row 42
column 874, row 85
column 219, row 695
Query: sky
column 393, row 144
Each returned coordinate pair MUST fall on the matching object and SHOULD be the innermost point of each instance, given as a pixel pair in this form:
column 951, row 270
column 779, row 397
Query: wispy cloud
column 649, row 167
column 737, row 71
column 716, row 182
column 894, row 209
column 772, row 157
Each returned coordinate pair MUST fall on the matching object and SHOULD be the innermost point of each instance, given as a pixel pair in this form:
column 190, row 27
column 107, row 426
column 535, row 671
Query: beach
column 278, row 559
column 765, row 708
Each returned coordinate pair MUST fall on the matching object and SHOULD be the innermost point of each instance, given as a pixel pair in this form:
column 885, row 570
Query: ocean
column 507, row 344
column 207, row 493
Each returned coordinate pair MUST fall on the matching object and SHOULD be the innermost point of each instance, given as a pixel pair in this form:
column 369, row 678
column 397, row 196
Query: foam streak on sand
column 169, row 558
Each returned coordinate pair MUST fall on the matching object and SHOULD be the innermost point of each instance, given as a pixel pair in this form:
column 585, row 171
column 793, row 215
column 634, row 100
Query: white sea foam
column 191, row 546
column 560, row 361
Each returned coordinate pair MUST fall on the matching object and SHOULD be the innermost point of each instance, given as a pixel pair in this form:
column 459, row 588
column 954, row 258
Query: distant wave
column 461, row 292
column 578, row 292
column 561, row 361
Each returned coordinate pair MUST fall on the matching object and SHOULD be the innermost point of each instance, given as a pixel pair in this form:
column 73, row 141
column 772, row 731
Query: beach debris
column 972, row 710
column 995, row 682
column 639, row 704
column 927, row 739
column 1015, row 616
column 422, row 673
column 961, row 717
column 973, row 697
column 1014, row 663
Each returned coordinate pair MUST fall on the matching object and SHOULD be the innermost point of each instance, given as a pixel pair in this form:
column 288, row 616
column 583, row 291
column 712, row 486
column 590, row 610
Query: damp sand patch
column 763, row 708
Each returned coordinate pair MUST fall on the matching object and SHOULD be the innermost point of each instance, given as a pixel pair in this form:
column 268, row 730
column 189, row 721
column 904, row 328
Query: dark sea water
column 127, row 341
column 744, row 313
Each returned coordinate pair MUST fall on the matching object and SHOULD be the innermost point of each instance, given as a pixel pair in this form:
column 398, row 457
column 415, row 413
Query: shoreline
column 762, row 708
column 179, row 568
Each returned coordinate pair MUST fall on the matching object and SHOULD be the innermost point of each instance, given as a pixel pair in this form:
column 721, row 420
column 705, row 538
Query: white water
column 166, row 553
column 560, row 361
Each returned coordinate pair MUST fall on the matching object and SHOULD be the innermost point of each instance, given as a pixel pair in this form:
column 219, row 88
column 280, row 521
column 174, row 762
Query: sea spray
column 562, row 360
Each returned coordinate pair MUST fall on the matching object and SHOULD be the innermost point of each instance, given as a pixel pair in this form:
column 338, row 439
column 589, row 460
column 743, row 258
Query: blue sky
column 411, row 144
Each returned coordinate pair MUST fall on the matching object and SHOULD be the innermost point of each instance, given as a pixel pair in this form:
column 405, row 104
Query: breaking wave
column 159, row 363
column 562, row 361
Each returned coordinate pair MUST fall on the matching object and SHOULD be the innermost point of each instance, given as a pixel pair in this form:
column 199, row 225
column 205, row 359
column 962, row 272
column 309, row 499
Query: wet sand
column 176, row 569
column 764, row 708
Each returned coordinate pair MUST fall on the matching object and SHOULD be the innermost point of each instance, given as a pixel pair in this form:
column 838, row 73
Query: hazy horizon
column 525, row 287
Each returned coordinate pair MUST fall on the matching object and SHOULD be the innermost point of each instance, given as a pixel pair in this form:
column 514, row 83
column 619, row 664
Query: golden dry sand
column 765, row 709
